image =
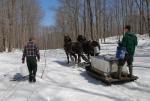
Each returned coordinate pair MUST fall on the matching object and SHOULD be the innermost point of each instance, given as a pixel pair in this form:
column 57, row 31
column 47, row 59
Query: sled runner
column 105, row 68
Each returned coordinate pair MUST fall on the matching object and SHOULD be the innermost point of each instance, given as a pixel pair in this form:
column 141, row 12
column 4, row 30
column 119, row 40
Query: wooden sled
column 106, row 71
column 108, row 80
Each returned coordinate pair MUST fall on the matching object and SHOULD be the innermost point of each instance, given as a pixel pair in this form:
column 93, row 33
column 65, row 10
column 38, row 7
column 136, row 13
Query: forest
column 95, row 19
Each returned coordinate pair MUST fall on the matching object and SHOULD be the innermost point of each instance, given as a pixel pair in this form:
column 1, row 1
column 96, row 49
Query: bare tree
column 18, row 22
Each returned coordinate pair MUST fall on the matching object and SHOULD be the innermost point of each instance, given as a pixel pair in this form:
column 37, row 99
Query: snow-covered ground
column 62, row 82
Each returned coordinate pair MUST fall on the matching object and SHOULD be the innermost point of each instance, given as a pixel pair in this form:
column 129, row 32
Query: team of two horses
column 83, row 48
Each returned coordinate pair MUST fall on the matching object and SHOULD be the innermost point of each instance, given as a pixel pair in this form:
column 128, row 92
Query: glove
column 38, row 58
column 23, row 61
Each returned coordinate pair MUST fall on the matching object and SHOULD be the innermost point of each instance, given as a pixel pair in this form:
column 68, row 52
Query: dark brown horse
column 90, row 48
column 79, row 48
column 73, row 49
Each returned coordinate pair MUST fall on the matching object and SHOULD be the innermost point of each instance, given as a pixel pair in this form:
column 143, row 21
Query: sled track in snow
column 5, row 75
column 29, row 98
column 11, row 89
column 10, row 86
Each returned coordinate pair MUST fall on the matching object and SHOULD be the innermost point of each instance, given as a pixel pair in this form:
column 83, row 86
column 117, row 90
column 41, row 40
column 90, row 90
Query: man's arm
column 124, row 41
column 136, row 42
column 37, row 52
column 24, row 54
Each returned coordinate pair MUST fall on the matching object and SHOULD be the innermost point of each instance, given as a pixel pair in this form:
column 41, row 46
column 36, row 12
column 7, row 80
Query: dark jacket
column 129, row 41
column 31, row 50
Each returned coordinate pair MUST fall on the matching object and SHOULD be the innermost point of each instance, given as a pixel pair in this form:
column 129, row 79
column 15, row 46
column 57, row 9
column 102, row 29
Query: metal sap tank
column 106, row 64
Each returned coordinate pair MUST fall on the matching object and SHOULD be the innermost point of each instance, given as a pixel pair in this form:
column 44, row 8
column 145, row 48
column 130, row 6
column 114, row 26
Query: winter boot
column 30, row 78
column 119, row 72
column 33, row 78
column 130, row 71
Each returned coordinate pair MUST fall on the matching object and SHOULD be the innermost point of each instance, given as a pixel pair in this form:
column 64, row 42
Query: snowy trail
column 62, row 82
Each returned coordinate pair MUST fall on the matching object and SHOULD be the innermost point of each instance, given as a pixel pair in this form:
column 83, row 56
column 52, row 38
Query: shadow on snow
column 19, row 77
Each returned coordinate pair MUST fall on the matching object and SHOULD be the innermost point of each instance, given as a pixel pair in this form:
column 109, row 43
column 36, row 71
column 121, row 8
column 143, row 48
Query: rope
column 45, row 64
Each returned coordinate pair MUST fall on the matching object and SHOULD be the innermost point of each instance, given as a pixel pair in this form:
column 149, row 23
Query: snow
column 62, row 82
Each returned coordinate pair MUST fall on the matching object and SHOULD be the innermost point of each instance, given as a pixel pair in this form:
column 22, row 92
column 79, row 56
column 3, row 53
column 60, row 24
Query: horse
column 73, row 49
column 90, row 48
column 94, row 49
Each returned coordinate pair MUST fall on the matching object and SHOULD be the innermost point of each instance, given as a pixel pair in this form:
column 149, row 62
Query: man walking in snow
column 129, row 42
column 31, row 53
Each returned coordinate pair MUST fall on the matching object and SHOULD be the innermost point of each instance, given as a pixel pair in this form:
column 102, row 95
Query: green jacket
column 129, row 41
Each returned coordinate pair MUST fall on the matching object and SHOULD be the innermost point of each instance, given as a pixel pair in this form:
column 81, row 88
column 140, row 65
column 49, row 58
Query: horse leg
column 75, row 57
column 79, row 58
column 84, row 58
column 88, row 55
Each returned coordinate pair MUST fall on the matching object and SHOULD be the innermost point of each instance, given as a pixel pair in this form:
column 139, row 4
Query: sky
column 48, row 6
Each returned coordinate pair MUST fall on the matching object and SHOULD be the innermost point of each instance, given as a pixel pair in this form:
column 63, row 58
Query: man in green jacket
column 129, row 41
